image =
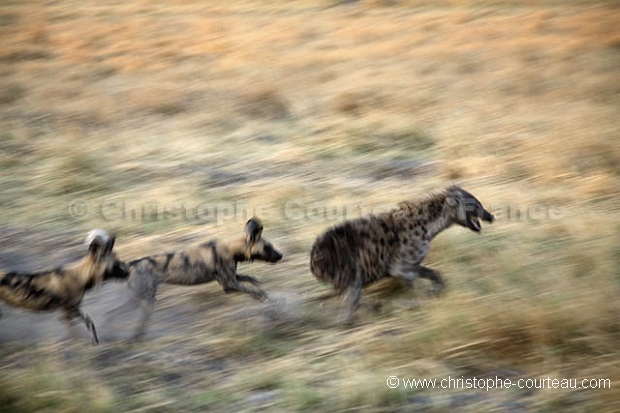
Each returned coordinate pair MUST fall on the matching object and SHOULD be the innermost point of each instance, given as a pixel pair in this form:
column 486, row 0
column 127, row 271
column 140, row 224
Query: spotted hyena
column 359, row 252
column 213, row 260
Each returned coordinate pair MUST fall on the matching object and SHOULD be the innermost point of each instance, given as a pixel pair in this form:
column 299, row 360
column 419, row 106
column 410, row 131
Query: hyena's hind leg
column 70, row 315
column 353, row 296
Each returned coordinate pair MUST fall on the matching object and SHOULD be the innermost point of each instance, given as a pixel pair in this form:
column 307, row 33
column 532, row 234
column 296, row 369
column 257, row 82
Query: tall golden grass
column 331, row 106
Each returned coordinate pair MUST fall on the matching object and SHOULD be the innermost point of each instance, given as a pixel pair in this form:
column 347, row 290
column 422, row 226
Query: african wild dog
column 359, row 252
column 210, row 261
column 63, row 288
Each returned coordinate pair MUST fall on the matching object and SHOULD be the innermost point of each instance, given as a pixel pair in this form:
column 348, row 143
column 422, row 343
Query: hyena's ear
column 253, row 230
column 452, row 201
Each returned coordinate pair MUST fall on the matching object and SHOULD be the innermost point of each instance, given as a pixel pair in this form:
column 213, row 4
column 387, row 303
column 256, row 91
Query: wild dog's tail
column 15, row 287
column 333, row 258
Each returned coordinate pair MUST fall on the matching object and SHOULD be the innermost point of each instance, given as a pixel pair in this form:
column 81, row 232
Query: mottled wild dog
column 198, row 264
column 63, row 288
column 359, row 252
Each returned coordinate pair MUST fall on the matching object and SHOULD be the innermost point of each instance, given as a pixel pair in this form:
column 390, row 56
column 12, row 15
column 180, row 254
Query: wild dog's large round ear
column 253, row 230
column 97, row 241
column 96, row 233
column 109, row 245
column 97, row 248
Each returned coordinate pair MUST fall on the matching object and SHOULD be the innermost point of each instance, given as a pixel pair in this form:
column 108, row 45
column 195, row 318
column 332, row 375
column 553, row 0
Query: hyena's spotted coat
column 64, row 288
column 359, row 252
column 198, row 264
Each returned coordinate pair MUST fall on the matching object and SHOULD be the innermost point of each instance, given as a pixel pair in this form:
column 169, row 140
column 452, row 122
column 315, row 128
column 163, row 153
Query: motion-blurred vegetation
column 324, row 105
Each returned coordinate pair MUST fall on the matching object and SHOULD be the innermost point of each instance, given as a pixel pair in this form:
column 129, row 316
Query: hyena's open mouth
column 475, row 223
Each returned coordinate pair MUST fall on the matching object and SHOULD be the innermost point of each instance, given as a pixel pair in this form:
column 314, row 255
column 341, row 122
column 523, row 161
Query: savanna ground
column 116, row 114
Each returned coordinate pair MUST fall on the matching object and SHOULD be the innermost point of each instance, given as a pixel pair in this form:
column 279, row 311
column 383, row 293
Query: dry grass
column 307, row 113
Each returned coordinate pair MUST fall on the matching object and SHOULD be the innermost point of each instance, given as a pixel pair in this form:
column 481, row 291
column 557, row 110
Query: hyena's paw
column 436, row 290
column 412, row 306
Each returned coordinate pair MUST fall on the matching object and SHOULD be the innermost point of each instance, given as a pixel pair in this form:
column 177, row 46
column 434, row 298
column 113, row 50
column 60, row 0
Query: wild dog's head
column 257, row 248
column 100, row 250
column 465, row 209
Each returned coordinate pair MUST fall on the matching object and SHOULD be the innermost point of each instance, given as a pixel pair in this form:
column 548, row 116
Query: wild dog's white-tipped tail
column 96, row 234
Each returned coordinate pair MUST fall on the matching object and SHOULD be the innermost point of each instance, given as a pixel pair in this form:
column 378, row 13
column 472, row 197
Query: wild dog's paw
column 261, row 296
column 253, row 280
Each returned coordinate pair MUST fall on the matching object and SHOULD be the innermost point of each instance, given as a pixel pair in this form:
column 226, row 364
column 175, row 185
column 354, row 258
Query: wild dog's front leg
column 72, row 314
column 230, row 282
column 233, row 286
column 247, row 278
column 227, row 277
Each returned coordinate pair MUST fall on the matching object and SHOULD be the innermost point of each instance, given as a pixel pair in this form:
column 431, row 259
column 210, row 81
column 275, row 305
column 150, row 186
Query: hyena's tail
column 333, row 258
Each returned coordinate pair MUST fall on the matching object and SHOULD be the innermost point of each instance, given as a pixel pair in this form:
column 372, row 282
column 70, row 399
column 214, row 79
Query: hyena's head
column 105, row 264
column 465, row 209
column 257, row 248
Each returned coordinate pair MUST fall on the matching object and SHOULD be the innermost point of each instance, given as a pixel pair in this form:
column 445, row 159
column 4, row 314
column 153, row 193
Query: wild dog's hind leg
column 147, row 308
column 143, row 288
column 72, row 314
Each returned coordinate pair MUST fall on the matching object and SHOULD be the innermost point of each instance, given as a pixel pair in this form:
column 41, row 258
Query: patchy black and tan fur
column 359, row 252
column 63, row 288
column 198, row 264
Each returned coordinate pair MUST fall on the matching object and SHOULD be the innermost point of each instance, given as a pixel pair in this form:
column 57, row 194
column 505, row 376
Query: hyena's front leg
column 408, row 276
column 434, row 276
column 405, row 276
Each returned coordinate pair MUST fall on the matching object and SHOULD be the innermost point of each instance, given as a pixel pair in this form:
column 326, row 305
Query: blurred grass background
column 323, row 104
